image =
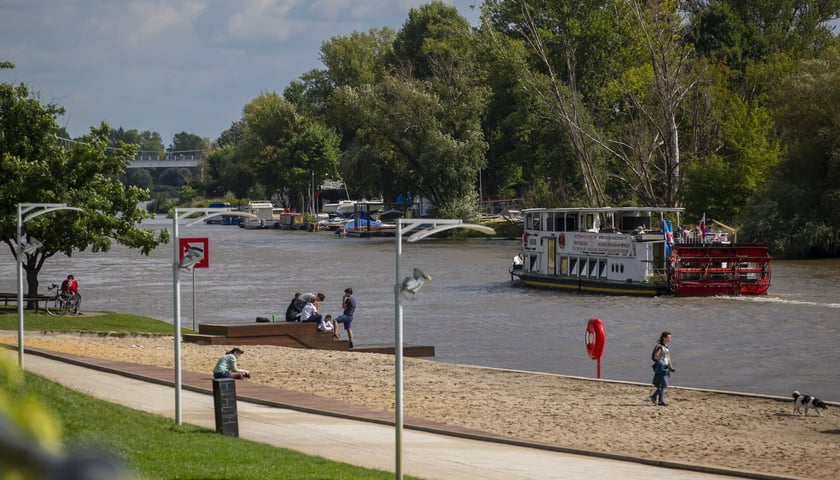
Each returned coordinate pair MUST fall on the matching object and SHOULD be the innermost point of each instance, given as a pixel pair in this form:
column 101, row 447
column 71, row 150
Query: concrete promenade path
column 343, row 432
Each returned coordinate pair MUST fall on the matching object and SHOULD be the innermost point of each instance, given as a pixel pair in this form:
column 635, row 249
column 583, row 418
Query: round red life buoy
column 561, row 241
column 595, row 338
column 524, row 239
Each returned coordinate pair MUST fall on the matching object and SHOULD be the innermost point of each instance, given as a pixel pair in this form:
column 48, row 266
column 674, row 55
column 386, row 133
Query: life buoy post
column 595, row 340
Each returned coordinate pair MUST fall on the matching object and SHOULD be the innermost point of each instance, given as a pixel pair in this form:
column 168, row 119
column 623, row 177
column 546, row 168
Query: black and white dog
column 807, row 402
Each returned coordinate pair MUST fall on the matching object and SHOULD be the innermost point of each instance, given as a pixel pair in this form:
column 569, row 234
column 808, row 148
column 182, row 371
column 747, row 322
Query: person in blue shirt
column 348, row 303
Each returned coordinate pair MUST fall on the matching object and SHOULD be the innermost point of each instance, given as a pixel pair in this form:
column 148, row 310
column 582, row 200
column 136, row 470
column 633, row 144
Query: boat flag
column 703, row 228
column 668, row 229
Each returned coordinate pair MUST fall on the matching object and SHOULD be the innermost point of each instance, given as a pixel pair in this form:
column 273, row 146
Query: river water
column 472, row 314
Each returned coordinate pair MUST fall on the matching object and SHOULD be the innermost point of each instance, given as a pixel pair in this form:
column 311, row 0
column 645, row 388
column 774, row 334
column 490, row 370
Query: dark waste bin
column 224, row 401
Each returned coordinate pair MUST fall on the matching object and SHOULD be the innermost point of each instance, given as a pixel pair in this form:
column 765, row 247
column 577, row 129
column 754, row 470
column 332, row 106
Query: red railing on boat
column 702, row 270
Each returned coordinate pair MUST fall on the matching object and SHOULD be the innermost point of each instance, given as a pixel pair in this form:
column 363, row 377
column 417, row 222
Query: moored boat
column 288, row 220
column 367, row 228
column 263, row 210
column 634, row 251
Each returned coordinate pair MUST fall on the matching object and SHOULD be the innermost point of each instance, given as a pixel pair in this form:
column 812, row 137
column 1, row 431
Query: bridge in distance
column 155, row 159
column 185, row 158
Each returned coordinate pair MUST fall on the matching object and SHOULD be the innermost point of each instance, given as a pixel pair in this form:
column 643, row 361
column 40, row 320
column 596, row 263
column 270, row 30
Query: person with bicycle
column 70, row 290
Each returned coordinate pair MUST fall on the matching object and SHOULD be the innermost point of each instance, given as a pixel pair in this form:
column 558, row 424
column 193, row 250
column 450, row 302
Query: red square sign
column 200, row 246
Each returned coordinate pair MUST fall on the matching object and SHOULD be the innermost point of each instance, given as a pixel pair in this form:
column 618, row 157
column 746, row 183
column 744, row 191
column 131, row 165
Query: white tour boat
column 634, row 251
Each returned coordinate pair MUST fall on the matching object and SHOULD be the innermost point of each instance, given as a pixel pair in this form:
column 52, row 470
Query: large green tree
column 36, row 168
column 427, row 143
column 799, row 213
column 419, row 128
column 354, row 60
column 287, row 152
column 572, row 48
column 146, row 140
column 721, row 182
column 184, row 141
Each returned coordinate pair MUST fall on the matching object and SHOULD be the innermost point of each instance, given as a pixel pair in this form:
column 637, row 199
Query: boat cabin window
column 532, row 221
column 549, row 222
column 630, row 223
column 588, row 222
column 571, row 223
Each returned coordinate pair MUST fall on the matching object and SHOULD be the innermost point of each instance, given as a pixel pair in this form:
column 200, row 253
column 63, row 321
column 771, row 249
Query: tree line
column 723, row 107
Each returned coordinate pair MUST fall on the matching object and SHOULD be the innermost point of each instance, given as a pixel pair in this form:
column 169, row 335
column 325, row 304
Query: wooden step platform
column 289, row 334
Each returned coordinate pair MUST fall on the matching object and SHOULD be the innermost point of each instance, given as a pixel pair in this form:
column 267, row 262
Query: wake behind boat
column 634, row 251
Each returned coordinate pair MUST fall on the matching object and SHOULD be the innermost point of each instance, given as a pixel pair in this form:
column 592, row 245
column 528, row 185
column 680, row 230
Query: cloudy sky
column 175, row 65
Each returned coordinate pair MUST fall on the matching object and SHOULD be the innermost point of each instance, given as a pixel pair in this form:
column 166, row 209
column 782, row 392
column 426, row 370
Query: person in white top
column 328, row 325
column 311, row 312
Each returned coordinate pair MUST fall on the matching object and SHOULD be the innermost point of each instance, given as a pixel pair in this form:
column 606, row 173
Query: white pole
column 176, row 298
column 19, row 251
column 193, row 295
column 398, row 359
column 438, row 226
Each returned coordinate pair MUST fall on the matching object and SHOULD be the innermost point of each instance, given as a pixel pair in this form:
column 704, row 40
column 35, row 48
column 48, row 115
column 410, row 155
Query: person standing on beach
column 348, row 303
column 662, row 368
column 226, row 366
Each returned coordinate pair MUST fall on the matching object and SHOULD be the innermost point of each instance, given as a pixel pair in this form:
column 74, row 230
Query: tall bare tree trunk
column 563, row 101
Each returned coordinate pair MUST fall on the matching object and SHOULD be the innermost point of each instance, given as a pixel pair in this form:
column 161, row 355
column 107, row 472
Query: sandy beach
column 698, row 427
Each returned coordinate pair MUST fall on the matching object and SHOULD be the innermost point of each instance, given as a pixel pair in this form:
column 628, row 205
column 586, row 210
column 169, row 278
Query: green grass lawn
column 99, row 322
column 152, row 446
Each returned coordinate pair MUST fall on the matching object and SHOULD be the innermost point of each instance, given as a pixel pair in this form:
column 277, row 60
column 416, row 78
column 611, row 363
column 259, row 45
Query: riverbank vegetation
column 725, row 107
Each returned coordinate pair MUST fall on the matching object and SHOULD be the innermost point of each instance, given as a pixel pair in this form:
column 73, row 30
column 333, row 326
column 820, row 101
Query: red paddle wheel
column 703, row 270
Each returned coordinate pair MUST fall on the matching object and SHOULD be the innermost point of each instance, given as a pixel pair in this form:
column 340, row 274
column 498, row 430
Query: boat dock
column 290, row 334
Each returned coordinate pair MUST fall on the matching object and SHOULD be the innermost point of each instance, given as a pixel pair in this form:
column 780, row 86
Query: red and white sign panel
column 202, row 244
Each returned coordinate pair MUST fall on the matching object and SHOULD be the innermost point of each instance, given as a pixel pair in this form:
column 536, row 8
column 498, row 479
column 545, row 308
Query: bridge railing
column 147, row 158
column 185, row 155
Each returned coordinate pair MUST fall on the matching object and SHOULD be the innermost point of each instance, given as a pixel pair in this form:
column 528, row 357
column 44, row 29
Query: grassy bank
column 153, row 447
column 90, row 322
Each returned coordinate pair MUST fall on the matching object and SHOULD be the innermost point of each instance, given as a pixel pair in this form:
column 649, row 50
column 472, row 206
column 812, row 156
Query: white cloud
column 261, row 20
column 174, row 65
column 142, row 22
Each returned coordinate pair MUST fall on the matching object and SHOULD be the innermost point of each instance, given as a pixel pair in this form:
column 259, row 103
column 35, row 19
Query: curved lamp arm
column 442, row 228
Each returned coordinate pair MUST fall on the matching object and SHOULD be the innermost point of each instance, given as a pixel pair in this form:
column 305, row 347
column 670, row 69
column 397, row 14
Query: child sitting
column 327, row 325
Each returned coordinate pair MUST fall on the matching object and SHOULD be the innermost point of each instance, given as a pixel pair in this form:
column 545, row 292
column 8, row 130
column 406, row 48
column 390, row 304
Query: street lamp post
column 36, row 209
column 435, row 226
column 179, row 214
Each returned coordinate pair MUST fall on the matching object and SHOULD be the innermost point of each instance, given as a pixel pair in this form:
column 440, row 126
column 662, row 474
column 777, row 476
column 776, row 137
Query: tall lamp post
column 177, row 216
column 411, row 284
column 31, row 210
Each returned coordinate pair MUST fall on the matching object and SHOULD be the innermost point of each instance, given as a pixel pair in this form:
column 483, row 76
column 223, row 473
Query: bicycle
column 61, row 303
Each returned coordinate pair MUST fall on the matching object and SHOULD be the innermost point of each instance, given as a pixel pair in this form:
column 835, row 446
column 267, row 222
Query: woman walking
column 662, row 368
